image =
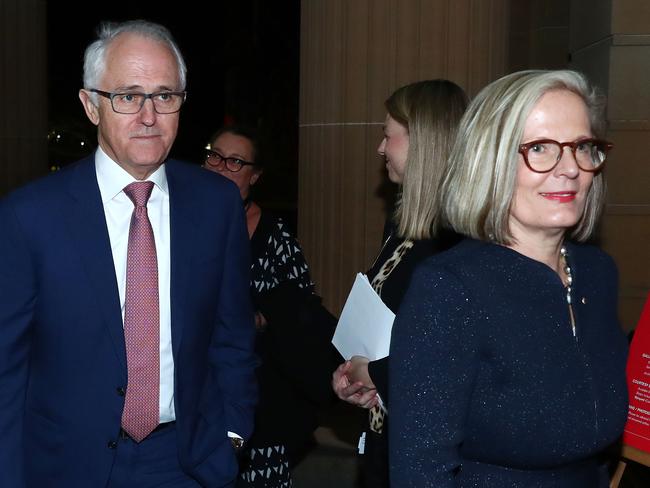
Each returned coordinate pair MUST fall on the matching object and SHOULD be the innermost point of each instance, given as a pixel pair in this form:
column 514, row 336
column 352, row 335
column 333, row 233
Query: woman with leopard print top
column 419, row 131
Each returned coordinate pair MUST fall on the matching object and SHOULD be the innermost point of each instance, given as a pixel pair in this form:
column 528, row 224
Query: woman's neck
column 246, row 201
column 253, row 214
column 545, row 249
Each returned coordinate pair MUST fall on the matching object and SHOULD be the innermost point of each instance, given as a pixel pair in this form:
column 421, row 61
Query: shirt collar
column 112, row 178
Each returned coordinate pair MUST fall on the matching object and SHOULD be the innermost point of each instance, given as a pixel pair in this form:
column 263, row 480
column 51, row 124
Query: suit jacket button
column 121, row 391
column 112, row 445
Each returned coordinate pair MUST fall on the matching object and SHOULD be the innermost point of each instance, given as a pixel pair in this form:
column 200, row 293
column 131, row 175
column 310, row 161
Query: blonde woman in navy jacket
column 507, row 361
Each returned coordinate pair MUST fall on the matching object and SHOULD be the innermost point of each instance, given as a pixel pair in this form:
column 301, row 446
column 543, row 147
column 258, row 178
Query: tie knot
column 139, row 192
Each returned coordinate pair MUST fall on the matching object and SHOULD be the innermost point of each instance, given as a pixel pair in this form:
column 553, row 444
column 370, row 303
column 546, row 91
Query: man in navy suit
column 66, row 370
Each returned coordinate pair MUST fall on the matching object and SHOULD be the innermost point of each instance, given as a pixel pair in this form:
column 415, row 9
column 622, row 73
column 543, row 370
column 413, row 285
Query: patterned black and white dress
column 276, row 256
column 277, row 259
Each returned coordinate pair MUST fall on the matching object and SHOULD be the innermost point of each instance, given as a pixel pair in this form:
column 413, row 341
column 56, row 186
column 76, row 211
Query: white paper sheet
column 365, row 324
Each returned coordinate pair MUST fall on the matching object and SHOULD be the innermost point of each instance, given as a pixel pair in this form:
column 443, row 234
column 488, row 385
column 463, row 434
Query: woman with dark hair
column 293, row 329
column 419, row 131
column 507, row 360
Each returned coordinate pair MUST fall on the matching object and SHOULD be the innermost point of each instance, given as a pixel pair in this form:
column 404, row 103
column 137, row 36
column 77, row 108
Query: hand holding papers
column 365, row 324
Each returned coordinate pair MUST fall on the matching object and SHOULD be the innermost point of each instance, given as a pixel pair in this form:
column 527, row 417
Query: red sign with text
column 637, row 428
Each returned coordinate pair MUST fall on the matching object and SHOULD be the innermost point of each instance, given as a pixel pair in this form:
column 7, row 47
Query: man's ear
column 92, row 110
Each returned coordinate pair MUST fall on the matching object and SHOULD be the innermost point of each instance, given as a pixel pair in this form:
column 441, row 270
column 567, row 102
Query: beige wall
column 353, row 55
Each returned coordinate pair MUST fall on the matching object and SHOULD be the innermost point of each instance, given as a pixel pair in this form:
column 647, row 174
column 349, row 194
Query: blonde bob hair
column 430, row 111
column 480, row 185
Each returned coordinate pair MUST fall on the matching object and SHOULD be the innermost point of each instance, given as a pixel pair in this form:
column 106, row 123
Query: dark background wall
column 242, row 59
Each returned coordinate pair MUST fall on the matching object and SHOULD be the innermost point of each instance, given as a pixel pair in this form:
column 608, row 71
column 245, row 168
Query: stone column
column 539, row 34
column 353, row 55
column 610, row 42
column 23, row 92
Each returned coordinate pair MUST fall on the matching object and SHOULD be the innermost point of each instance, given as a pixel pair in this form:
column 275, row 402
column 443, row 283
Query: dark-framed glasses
column 164, row 102
column 543, row 155
column 216, row 160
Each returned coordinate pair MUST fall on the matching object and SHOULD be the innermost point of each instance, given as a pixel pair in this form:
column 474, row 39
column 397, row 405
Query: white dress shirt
column 112, row 180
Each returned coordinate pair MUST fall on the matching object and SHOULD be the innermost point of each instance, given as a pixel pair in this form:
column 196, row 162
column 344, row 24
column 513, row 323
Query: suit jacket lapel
column 182, row 223
column 87, row 224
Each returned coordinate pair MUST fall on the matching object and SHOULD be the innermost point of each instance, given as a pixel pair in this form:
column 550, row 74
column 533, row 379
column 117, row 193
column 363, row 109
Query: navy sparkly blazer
column 489, row 386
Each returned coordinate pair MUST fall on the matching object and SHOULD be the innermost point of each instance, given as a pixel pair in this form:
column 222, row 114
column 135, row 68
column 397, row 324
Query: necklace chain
column 568, row 285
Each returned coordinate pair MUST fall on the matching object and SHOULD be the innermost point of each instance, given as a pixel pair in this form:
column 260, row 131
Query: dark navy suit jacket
column 489, row 387
column 62, row 351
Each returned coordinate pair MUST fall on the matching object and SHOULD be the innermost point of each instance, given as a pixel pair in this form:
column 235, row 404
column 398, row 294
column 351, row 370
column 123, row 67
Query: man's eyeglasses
column 543, row 155
column 164, row 102
column 215, row 159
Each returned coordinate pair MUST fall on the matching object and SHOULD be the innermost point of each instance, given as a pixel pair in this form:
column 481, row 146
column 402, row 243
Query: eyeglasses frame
column 111, row 95
column 224, row 160
column 524, row 148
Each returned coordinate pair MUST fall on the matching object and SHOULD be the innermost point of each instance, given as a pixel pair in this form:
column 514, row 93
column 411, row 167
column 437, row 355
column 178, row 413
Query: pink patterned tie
column 141, row 320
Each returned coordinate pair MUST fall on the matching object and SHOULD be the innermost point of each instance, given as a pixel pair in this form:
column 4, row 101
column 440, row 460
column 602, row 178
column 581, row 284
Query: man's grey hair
column 95, row 55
